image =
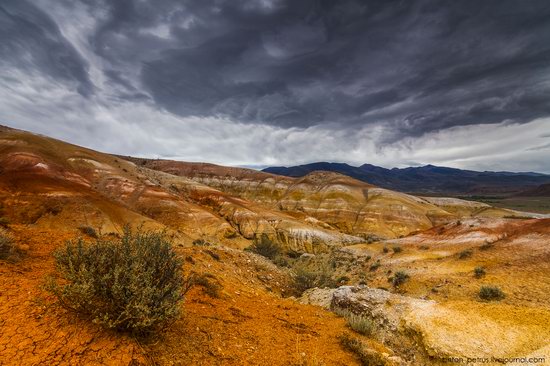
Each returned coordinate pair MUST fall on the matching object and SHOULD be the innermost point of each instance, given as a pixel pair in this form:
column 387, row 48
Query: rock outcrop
column 426, row 332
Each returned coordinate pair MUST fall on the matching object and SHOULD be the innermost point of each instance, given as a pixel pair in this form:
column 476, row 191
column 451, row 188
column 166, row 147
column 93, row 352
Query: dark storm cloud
column 416, row 66
column 30, row 40
column 274, row 82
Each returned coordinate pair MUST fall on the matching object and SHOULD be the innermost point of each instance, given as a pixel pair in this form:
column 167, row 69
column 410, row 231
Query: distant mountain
column 541, row 191
column 427, row 179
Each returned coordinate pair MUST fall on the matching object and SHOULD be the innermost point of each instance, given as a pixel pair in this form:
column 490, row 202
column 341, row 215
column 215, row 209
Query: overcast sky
column 273, row 82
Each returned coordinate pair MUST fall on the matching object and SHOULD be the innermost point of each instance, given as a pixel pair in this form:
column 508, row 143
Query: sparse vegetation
column 89, row 231
column 7, row 245
column 265, row 247
column 399, row 278
column 479, row 272
column 424, row 247
column 517, row 217
column 4, row 222
column 371, row 238
column 342, row 280
column 132, row 284
column 465, row 254
column 209, row 283
column 306, row 278
column 374, row 266
column 359, row 323
column 385, row 250
column 486, row 246
column 215, row 256
column 201, row 243
column 366, row 356
column 491, row 293
column 397, row 249
column 281, row 261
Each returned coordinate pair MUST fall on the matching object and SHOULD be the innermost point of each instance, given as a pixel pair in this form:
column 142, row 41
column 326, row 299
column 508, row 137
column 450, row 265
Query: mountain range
column 428, row 179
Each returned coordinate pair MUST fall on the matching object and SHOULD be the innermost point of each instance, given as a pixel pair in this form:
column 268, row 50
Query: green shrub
column 397, row 249
column 399, row 278
column 491, row 293
column 7, row 245
column 132, row 284
column 479, row 272
column 465, row 254
column 265, row 247
column 366, row 356
column 88, row 230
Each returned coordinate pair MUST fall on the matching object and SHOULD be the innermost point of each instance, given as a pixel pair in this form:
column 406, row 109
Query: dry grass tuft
column 366, row 356
column 360, row 323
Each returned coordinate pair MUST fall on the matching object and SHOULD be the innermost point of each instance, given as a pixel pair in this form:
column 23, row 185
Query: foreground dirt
column 249, row 323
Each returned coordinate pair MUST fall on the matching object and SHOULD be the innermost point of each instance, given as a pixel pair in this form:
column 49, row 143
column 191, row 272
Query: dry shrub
column 306, row 278
column 360, row 323
column 366, row 356
column 374, row 266
column 88, row 230
column 479, row 272
column 491, row 293
column 399, row 278
column 8, row 250
column 265, row 247
column 209, row 283
column 131, row 284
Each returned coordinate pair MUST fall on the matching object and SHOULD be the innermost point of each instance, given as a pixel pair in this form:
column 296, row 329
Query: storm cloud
column 369, row 80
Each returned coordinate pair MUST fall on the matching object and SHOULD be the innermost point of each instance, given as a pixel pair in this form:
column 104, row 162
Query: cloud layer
column 264, row 82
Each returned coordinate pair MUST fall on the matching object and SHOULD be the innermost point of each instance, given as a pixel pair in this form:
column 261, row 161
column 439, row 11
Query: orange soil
column 517, row 260
column 249, row 324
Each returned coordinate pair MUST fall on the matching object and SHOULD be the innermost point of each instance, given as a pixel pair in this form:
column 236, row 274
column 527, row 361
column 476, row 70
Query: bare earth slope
column 328, row 199
column 249, row 324
column 43, row 180
column 438, row 305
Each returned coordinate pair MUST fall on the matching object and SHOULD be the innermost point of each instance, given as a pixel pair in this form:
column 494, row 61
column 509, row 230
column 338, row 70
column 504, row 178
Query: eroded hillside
column 331, row 200
column 47, row 182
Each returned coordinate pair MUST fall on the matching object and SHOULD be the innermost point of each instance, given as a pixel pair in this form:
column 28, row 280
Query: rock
column 423, row 331
column 318, row 296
